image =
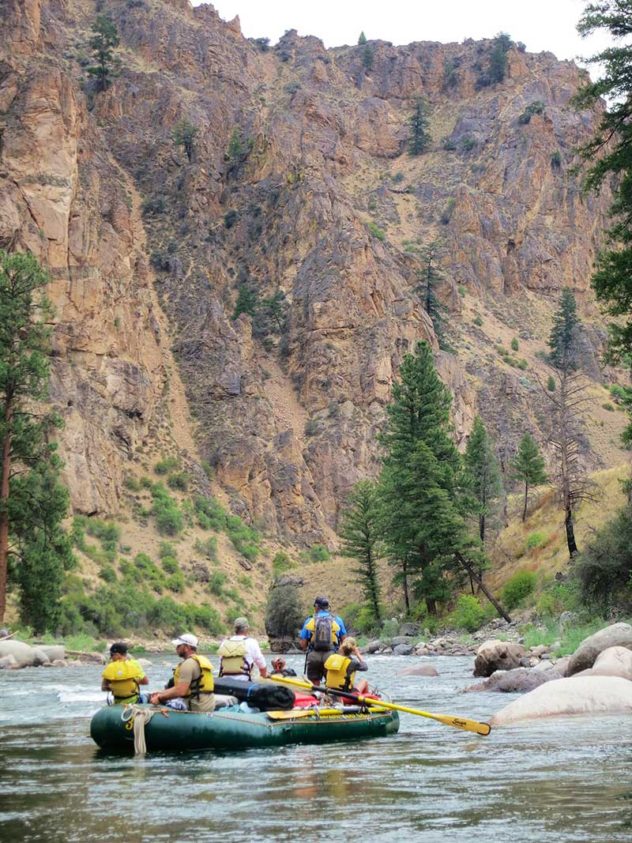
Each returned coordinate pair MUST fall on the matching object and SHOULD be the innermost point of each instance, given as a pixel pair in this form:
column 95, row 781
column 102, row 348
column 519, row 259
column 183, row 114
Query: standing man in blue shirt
column 321, row 635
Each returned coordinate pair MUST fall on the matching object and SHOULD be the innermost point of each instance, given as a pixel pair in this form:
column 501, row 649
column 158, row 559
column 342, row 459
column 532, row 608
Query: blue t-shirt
column 308, row 626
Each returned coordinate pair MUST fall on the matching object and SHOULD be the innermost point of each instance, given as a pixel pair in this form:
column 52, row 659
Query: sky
column 540, row 24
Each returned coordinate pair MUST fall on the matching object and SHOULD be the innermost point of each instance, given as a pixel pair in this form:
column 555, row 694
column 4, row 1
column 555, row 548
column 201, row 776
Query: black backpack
column 322, row 638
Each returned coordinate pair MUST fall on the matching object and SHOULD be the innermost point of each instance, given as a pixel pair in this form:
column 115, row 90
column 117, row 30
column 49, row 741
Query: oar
column 446, row 719
column 304, row 712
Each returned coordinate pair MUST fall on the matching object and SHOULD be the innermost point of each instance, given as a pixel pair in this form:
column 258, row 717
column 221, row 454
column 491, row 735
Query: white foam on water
column 81, row 696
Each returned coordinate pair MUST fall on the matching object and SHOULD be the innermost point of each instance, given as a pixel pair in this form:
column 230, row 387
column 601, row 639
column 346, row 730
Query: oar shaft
column 448, row 720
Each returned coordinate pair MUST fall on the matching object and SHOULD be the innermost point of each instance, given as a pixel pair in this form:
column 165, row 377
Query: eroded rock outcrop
column 298, row 189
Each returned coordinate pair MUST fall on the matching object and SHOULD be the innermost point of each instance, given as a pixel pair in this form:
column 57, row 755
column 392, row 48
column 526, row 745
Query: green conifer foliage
column 420, row 138
column 483, row 474
column 184, row 134
column 360, row 533
column 104, row 41
column 528, row 467
column 563, row 339
column 32, row 501
column 421, row 521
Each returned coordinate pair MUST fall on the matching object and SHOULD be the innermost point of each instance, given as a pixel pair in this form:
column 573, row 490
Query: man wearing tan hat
column 240, row 654
column 192, row 678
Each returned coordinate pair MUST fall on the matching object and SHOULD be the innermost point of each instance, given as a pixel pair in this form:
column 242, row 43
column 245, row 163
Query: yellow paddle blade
column 448, row 720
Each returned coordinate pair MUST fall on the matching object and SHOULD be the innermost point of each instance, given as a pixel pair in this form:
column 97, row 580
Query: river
column 567, row 779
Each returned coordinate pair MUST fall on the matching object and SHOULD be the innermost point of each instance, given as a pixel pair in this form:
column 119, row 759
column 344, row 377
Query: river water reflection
column 557, row 780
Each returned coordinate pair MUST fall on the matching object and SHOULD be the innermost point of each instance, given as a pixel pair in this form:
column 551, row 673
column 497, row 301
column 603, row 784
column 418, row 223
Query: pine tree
column 360, row 535
column 184, row 134
column 32, row 503
column 103, row 43
column 430, row 277
column 420, row 138
column 420, row 517
column 563, row 339
column 361, row 39
column 483, row 474
column 528, row 466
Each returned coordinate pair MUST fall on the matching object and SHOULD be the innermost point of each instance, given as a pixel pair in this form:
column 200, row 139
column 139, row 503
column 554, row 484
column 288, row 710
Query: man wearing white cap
column 192, row 679
column 240, row 654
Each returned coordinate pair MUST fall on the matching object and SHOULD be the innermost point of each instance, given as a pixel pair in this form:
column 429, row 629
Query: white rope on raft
column 140, row 716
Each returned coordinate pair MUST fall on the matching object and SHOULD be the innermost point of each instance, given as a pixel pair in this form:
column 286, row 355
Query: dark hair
column 321, row 602
column 118, row 647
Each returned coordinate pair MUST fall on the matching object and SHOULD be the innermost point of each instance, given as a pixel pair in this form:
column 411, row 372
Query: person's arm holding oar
column 447, row 719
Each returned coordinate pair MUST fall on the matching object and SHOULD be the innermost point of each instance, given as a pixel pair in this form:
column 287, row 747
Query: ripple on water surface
column 555, row 780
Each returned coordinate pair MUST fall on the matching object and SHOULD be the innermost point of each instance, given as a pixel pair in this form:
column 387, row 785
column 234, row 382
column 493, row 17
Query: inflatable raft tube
column 230, row 728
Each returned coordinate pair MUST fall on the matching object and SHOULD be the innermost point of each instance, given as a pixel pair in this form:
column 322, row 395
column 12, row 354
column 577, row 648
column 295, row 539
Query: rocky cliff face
column 300, row 198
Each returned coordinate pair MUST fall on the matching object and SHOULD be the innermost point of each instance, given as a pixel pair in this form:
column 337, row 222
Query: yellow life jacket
column 123, row 676
column 233, row 658
column 338, row 675
column 203, row 685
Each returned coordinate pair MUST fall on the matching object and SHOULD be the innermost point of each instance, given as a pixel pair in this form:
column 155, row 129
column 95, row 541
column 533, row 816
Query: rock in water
column 22, row 653
column 497, row 655
column 616, row 635
column 420, row 670
column 581, row 695
column 615, row 661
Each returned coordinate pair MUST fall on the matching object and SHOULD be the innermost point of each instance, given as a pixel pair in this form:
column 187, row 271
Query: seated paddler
column 341, row 669
column 123, row 676
column 192, row 679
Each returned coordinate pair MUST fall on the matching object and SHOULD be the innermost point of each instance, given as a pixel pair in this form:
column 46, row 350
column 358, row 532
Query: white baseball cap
column 187, row 638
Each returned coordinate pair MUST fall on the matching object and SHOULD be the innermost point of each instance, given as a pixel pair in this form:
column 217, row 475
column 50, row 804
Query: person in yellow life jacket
column 341, row 669
column 240, row 655
column 192, row 679
column 123, row 676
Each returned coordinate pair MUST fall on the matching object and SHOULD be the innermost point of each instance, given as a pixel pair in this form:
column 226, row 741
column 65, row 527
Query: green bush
column 608, row 406
column 316, row 553
column 210, row 513
column 284, row 615
column 376, row 231
column 216, row 583
column 517, row 587
column 176, row 582
column 515, row 345
column 550, row 383
column 359, row 618
column 245, row 539
column 165, row 465
column 468, row 614
column 178, row 480
column 169, row 517
column 281, row 563
column 170, row 564
column 535, row 540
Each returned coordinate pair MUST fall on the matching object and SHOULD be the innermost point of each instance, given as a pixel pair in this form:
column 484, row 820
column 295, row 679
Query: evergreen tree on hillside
column 419, row 139
column 362, row 39
column 360, row 535
column 421, row 521
column 563, row 339
column 483, row 474
column 528, row 467
column 104, row 41
column 32, row 501
column 430, row 277
column 184, row 134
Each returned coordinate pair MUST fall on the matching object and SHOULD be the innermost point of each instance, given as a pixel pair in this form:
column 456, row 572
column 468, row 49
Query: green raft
column 234, row 729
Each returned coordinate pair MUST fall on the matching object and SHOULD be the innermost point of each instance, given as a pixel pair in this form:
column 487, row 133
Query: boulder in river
column 23, row 654
column 373, row 646
column 616, row 635
column 402, row 649
column 521, row 680
column 498, row 655
column 615, row 661
column 420, row 670
column 578, row 695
